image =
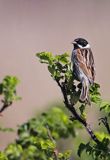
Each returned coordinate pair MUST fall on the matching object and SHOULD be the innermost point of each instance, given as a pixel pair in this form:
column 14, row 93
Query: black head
column 80, row 43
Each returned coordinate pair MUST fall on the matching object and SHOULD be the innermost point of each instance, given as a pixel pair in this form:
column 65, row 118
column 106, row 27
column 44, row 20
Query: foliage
column 37, row 139
column 8, row 91
column 59, row 67
column 6, row 129
column 97, row 151
column 3, row 156
column 8, row 95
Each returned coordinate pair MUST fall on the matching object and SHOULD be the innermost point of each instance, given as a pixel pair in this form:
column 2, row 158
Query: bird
column 83, row 67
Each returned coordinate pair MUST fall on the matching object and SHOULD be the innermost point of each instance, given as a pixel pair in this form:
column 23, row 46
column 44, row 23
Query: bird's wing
column 91, row 64
column 86, row 63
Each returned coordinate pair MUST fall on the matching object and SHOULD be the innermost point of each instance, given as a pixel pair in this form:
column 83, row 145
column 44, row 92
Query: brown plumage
column 83, row 66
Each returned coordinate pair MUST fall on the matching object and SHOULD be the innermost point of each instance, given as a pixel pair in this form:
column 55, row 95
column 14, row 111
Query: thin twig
column 5, row 106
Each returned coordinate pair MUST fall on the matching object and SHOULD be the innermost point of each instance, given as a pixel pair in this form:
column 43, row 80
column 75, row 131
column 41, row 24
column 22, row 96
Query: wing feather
column 86, row 63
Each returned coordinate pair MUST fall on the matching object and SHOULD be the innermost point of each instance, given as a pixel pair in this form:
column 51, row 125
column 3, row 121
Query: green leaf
column 82, row 108
column 3, row 156
column 47, row 144
column 45, row 57
column 88, row 148
column 64, row 156
column 51, row 69
column 81, row 148
column 63, row 58
column 13, row 151
column 96, row 99
column 105, row 106
column 94, row 90
column 102, row 135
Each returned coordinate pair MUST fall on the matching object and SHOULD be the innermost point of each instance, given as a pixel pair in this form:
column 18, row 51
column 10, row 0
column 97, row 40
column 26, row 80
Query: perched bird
column 83, row 66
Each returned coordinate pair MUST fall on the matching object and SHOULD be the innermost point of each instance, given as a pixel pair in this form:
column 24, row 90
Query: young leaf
column 45, row 57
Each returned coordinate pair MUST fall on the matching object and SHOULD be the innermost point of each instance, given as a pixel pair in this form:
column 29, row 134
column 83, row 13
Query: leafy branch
column 59, row 67
column 37, row 138
column 8, row 92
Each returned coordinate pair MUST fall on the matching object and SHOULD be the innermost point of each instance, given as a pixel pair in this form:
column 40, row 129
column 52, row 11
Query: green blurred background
column 30, row 26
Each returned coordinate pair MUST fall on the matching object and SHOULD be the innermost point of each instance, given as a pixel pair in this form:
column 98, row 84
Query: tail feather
column 84, row 96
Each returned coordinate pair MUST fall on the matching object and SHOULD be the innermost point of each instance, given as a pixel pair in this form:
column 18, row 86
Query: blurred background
column 31, row 26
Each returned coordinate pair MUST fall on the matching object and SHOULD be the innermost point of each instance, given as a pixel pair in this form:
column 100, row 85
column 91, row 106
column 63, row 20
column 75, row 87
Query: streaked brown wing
column 86, row 63
column 91, row 64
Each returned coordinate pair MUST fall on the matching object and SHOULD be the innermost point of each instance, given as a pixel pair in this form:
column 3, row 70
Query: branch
column 5, row 106
column 72, row 109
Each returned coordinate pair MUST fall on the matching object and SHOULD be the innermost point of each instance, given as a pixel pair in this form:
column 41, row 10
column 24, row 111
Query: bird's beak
column 73, row 42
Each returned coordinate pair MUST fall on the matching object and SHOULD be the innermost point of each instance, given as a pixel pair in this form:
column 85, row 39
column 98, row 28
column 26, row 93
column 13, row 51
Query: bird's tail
column 84, row 96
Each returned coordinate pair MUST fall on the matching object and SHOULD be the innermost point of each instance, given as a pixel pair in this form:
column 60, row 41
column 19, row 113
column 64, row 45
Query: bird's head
column 80, row 43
